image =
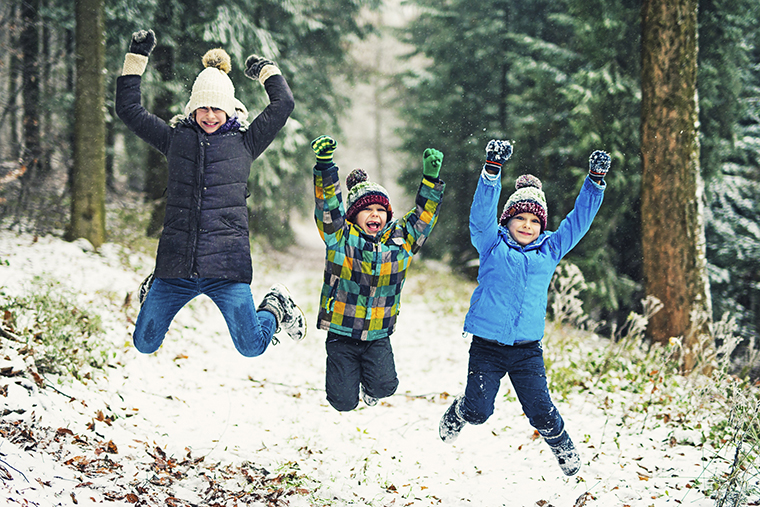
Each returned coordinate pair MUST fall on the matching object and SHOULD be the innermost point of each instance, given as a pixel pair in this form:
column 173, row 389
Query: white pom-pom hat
column 213, row 87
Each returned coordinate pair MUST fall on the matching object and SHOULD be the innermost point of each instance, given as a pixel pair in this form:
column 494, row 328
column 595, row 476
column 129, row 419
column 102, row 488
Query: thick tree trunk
column 673, row 238
column 88, row 183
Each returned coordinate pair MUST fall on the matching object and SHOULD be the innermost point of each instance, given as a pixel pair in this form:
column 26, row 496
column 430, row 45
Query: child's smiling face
column 524, row 228
column 372, row 219
column 210, row 118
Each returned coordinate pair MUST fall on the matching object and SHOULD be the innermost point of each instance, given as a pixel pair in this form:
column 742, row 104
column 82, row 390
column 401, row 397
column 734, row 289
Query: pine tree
column 560, row 80
column 733, row 217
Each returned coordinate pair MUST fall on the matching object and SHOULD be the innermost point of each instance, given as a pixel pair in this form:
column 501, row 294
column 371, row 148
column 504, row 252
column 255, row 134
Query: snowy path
column 197, row 393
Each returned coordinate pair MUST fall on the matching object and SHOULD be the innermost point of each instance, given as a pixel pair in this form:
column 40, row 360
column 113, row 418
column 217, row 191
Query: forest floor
column 197, row 424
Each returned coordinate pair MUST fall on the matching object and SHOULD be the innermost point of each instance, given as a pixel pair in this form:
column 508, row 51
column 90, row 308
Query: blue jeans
column 489, row 362
column 251, row 331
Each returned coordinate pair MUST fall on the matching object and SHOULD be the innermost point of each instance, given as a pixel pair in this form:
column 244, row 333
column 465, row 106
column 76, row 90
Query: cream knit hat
column 213, row 87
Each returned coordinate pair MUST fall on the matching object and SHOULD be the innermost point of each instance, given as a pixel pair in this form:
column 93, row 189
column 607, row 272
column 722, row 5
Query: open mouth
column 373, row 226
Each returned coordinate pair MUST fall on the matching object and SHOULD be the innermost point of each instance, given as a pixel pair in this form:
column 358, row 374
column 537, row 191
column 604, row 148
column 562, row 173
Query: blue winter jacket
column 509, row 304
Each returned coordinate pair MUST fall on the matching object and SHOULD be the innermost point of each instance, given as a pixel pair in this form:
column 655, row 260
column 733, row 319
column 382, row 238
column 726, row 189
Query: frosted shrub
column 627, row 373
column 735, row 436
column 564, row 291
column 59, row 336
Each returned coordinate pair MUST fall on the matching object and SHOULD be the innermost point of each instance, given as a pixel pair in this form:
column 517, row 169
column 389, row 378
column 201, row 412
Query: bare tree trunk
column 29, row 42
column 672, row 189
column 89, row 175
column 11, row 147
column 157, row 171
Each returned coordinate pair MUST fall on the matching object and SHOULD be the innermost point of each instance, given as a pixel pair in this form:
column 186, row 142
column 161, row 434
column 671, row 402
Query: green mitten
column 431, row 163
column 324, row 147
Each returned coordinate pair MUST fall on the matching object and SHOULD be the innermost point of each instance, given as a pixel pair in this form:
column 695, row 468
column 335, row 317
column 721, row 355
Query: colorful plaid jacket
column 364, row 275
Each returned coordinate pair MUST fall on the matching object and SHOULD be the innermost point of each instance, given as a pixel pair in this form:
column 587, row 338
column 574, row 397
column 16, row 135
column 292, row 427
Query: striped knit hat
column 214, row 88
column 529, row 198
column 362, row 193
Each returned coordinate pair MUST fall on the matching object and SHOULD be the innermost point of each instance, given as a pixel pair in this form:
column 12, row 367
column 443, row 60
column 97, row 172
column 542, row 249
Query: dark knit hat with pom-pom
column 362, row 193
column 529, row 198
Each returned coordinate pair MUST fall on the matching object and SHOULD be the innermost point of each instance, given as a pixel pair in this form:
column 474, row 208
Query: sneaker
column 567, row 457
column 145, row 286
column 371, row 401
column 451, row 422
column 288, row 315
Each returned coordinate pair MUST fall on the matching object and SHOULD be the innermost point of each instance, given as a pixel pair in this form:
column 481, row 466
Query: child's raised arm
column 484, row 228
column 148, row 127
column 577, row 223
column 329, row 212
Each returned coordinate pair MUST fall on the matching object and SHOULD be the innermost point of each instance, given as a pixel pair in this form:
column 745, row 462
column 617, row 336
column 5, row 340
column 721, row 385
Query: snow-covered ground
column 142, row 430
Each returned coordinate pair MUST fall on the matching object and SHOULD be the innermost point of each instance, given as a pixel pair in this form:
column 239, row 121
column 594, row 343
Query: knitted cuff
column 492, row 165
column 267, row 72
column 322, row 165
column 489, row 176
column 134, row 64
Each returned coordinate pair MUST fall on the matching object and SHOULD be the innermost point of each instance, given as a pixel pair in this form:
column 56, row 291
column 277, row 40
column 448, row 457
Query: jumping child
column 367, row 256
column 508, row 307
column 204, row 246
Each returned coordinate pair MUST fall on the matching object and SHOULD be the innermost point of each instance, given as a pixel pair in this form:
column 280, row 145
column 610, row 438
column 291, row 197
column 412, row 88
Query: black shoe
column 451, row 423
column 568, row 458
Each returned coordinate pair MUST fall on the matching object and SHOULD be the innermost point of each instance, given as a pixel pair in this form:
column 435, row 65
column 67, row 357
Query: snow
column 148, row 415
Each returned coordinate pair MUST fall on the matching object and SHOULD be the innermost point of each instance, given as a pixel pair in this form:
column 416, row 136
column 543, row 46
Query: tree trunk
column 157, row 171
column 673, row 237
column 89, row 174
column 9, row 119
column 30, row 70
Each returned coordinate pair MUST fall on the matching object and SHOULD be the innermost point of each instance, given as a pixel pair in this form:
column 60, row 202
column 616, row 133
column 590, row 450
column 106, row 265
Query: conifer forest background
column 558, row 78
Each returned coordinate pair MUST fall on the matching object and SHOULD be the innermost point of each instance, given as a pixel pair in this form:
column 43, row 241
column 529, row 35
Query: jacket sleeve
column 484, row 228
column 329, row 212
column 148, row 127
column 268, row 123
column 415, row 227
column 577, row 223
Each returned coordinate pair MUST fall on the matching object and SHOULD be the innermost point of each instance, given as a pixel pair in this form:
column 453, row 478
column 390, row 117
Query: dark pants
column 251, row 331
column 489, row 362
column 351, row 362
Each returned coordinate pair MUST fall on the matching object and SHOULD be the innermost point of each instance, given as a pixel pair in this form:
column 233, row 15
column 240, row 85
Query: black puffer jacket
column 205, row 231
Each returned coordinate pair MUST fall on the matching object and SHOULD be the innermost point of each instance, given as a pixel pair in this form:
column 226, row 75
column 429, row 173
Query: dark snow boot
column 451, row 422
column 567, row 457
column 145, row 286
column 288, row 315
